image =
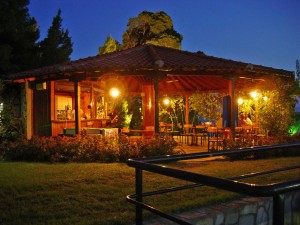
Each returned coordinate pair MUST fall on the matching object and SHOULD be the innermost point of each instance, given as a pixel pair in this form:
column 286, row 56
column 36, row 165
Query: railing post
column 278, row 209
column 139, row 196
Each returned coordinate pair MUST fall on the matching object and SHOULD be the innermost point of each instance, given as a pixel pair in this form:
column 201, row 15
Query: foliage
column 57, row 46
column 128, row 109
column 165, row 146
column 10, row 122
column 207, row 105
column 297, row 75
column 295, row 128
column 18, row 34
column 85, row 148
column 248, row 105
column 136, row 109
column 110, row 45
column 124, row 118
column 174, row 112
column 276, row 115
column 270, row 140
column 263, row 154
column 151, row 28
column 274, row 106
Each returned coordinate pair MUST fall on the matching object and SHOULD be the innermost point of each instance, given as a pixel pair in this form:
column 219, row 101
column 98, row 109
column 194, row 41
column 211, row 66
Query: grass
column 90, row 193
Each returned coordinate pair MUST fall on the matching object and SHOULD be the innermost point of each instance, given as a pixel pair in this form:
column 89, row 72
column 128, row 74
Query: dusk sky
column 264, row 32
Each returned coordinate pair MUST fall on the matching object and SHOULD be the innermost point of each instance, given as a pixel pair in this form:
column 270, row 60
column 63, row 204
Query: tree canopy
column 147, row 28
column 151, row 28
column 110, row 45
column 297, row 73
column 18, row 35
column 57, row 46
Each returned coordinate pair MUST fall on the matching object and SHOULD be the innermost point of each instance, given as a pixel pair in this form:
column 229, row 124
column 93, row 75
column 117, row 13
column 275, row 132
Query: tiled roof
column 149, row 57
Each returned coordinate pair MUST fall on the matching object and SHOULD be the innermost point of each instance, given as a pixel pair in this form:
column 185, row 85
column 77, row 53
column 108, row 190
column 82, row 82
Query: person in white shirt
column 248, row 120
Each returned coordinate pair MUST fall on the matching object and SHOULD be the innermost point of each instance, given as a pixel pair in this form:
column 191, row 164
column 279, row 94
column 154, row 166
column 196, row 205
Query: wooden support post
column 77, row 90
column 187, row 109
column 233, row 105
column 156, row 108
column 29, row 110
column 148, row 105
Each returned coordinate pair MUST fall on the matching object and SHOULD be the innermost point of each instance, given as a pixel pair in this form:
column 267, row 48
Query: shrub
column 161, row 146
column 270, row 140
column 85, row 148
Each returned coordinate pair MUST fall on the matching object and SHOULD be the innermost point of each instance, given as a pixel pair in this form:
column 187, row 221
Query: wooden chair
column 247, row 133
column 201, row 132
column 215, row 139
column 162, row 129
column 247, row 129
column 125, row 130
column 169, row 127
column 258, row 134
column 187, row 132
column 169, row 130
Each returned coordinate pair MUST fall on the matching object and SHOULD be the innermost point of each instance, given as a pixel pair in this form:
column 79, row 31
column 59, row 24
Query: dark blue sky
column 264, row 32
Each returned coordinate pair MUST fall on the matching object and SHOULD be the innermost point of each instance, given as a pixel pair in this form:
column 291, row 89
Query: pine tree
column 57, row 46
column 297, row 70
column 18, row 35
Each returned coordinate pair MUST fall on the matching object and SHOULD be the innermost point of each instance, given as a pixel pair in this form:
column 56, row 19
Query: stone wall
column 247, row 211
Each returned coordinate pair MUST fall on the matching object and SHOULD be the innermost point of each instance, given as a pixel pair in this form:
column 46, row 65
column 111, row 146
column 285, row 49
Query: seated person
column 248, row 120
column 113, row 118
column 242, row 121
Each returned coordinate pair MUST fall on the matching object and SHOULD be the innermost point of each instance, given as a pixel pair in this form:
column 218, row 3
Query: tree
column 172, row 110
column 135, row 108
column 297, row 70
column 57, row 46
column 151, row 28
column 110, row 45
column 18, row 35
column 124, row 118
column 273, row 106
column 207, row 105
column 275, row 114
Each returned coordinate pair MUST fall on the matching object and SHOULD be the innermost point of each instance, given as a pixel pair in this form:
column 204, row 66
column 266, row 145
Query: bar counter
column 59, row 125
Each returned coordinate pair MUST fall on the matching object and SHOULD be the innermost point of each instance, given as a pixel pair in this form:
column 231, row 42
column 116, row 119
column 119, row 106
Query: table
column 167, row 126
column 226, row 132
column 106, row 132
column 110, row 132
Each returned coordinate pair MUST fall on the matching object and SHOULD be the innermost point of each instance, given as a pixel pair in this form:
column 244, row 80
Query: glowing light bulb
column 240, row 101
column 114, row 92
column 166, row 101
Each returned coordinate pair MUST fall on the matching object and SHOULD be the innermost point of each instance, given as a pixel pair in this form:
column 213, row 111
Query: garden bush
column 85, row 148
column 270, row 140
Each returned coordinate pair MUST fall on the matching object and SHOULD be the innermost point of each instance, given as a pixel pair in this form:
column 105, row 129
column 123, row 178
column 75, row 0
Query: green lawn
column 91, row 193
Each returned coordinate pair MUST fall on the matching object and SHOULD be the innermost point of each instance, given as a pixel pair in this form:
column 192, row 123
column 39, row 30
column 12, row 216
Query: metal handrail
column 230, row 184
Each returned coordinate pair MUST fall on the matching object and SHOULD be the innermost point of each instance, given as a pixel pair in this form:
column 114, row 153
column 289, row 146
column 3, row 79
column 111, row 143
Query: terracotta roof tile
column 149, row 57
